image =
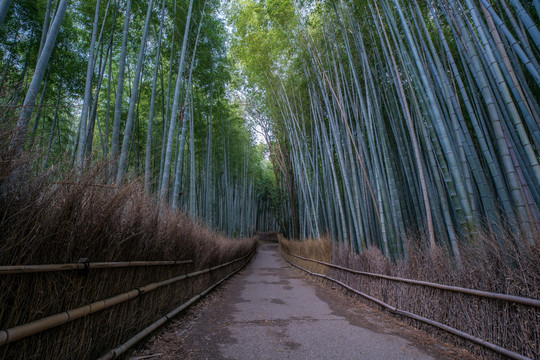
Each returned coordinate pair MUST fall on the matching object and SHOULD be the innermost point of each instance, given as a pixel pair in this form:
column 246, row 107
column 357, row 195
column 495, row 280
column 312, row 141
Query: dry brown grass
column 318, row 249
column 46, row 219
column 502, row 264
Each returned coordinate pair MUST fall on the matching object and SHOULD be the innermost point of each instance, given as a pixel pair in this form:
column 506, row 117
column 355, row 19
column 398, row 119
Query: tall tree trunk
column 93, row 113
column 209, row 193
column 108, row 111
column 17, row 144
column 4, row 7
column 88, row 90
column 167, row 101
column 148, row 153
column 115, row 142
column 192, row 171
column 40, row 107
column 180, row 157
column 414, row 140
column 172, row 125
column 134, row 95
column 45, row 28
column 55, row 120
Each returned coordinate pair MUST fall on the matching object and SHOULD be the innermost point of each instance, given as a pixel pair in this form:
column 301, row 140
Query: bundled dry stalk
column 54, row 218
column 318, row 249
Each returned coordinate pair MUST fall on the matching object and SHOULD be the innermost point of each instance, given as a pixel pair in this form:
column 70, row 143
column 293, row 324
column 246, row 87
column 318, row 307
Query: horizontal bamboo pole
column 485, row 294
column 87, row 184
column 27, row 269
column 114, row 353
column 21, row 331
column 508, row 353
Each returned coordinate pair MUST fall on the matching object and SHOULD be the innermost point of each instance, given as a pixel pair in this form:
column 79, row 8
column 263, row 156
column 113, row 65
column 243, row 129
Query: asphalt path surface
column 272, row 311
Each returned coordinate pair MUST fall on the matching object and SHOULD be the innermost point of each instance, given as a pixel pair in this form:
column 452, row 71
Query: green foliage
column 385, row 118
column 235, row 162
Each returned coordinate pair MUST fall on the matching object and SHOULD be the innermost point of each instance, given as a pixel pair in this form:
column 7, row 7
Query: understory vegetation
column 57, row 217
column 493, row 264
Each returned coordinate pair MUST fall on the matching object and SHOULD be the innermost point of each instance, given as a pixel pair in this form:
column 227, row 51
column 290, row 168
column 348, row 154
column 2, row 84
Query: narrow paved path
column 270, row 311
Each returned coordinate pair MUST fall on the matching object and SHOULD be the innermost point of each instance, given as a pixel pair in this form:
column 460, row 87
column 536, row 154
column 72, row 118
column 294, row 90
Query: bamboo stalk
column 85, row 184
column 147, row 356
column 27, row 269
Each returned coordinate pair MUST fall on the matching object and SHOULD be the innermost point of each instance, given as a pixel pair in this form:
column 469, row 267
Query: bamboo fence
column 529, row 302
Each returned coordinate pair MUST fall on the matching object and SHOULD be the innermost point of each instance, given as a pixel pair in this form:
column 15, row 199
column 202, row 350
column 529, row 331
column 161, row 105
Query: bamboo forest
column 396, row 137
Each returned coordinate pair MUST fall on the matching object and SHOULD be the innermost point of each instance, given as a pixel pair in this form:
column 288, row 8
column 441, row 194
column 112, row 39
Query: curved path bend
column 272, row 311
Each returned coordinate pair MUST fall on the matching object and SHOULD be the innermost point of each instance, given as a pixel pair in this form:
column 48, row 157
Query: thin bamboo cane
column 27, row 269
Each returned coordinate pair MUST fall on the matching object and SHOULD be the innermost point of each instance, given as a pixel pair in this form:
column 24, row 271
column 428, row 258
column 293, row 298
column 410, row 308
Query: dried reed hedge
column 495, row 264
column 56, row 218
column 317, row 249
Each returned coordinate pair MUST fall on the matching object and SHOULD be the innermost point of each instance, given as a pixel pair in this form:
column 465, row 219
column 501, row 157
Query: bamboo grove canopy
column 392, row 117
column 382, row 118
column 144, row 86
